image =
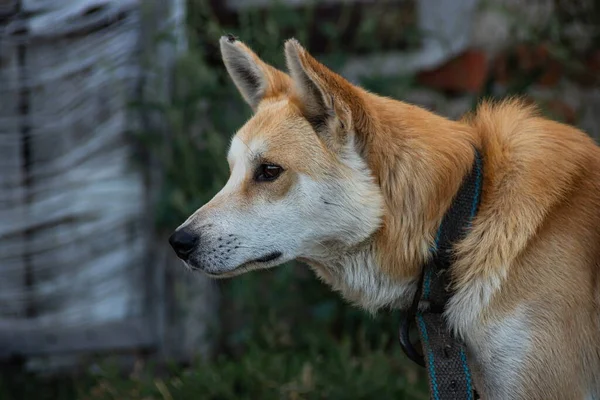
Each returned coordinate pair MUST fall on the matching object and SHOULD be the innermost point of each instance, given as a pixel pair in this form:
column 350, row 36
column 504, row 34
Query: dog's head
column 299, row 186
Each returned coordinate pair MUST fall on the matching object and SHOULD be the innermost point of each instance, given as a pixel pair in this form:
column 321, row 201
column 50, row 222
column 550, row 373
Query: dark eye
column 268, row 172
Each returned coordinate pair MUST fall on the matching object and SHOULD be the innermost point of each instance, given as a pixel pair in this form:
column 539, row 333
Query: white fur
column 354, row 203
column 358, row 278
column 239, row 161
column 496, row 350
column 467, row 303
column 353, row 270
column 499, row 349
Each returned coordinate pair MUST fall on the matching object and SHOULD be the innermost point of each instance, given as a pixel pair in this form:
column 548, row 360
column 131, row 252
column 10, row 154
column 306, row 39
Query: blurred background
column 115, row 117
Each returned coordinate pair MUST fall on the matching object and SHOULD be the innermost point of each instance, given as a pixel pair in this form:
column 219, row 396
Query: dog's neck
column 357, row 276
column 419, row 168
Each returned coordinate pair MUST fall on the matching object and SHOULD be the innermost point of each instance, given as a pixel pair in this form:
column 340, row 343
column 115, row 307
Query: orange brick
column 465, row 73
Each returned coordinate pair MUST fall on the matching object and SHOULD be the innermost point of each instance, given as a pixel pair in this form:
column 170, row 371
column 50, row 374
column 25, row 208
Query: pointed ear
column 323, row 94
column 255, row 79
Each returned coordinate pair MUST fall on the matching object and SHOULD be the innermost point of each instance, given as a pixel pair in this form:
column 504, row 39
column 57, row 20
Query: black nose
column 183, row 243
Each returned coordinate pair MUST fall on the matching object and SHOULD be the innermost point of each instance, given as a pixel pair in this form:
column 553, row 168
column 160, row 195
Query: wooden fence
column 80, row 267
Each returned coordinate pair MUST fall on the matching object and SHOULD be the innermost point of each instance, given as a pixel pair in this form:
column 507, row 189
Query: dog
column 355, row 185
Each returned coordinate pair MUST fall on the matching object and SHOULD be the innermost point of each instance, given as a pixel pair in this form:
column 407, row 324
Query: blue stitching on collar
column 463, row 358
column 434, row 386
column 477, row 186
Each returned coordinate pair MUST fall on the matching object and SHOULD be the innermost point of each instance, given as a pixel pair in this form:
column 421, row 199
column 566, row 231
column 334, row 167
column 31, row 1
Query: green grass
column 323, row 370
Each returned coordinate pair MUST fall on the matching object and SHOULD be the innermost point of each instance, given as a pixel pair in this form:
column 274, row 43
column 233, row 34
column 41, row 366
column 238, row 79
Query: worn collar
column 444, row 355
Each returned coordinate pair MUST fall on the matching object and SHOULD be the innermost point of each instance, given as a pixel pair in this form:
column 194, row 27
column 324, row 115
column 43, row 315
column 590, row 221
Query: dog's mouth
column 262, row 260
column 265, row 259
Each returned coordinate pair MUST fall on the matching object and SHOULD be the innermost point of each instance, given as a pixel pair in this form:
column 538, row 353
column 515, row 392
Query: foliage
column 325, row 369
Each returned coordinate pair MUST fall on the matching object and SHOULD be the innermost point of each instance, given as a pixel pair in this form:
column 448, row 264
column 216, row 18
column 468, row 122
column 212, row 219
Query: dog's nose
column 183, row 242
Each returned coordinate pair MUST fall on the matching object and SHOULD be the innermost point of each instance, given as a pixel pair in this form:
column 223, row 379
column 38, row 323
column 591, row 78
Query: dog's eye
column 268, row 172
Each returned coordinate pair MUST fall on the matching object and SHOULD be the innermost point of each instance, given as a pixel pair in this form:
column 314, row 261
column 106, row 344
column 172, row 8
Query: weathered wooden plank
column 81, row 171
column 37, row 6
column 82, row 202
column 242, row 4
column 28, row 338
column 8, row 7
column 12, row 194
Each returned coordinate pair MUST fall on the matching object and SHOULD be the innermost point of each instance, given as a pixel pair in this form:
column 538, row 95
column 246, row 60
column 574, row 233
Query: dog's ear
column 323, row 94
column 255, row 79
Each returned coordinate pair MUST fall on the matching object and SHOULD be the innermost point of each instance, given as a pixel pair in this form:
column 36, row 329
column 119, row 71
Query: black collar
column 443, row 355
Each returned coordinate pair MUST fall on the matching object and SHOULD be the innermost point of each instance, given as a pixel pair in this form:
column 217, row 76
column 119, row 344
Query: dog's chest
column 497, row 354
column 497, row 350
